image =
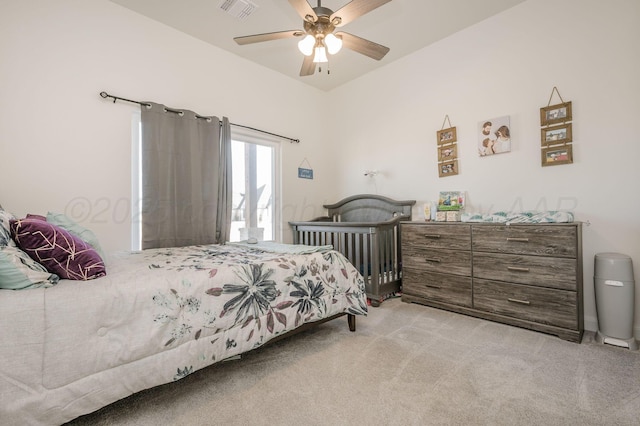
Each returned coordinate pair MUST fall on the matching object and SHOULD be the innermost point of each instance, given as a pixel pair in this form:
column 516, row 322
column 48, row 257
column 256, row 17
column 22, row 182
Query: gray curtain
column 225, row 184
column 183, row 171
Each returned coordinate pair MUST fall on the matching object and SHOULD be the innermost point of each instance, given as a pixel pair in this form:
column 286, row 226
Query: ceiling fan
column 319, row 26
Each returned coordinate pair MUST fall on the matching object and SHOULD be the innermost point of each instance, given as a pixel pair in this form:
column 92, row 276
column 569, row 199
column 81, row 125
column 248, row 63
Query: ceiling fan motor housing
column 322, row 26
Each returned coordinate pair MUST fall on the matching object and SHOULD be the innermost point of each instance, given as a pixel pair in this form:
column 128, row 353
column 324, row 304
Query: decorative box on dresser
column 527, row 275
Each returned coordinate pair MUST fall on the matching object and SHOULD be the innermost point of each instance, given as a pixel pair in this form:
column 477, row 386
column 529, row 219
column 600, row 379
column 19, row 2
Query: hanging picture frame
column 448, row 168
column 447, row 149
column 447, row 136
column 447, row 152
column 557, row 155
column 556, row 132
column 554, row 135
column 553, row 114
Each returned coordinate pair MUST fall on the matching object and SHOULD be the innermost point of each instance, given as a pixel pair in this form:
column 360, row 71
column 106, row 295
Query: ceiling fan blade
column 257, row 38
column 361, row 45
column 308, row 66
column 305, row 11
column 353, row 10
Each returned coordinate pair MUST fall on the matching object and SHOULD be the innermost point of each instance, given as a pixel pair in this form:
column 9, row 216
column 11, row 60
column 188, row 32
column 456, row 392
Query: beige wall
column 63, row 148
column 508, row 65
column 66, row 149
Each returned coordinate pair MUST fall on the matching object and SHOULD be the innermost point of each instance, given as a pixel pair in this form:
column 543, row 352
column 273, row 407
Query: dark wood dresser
column 527, row 275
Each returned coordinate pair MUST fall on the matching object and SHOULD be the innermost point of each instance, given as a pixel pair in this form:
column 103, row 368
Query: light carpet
column 406, row 364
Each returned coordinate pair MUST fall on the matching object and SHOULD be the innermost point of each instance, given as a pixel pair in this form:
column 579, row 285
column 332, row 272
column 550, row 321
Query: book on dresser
column 526, row 275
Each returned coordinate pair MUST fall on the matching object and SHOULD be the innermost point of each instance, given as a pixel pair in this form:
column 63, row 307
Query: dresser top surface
column 432, row 222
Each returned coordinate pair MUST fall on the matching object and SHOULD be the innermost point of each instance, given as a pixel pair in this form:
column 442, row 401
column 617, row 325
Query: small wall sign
column 305, row 173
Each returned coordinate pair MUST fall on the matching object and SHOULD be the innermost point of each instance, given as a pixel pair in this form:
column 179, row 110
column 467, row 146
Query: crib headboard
column 369, row 208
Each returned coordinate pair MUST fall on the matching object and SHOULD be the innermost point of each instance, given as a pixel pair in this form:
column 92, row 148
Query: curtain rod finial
column 105, row 95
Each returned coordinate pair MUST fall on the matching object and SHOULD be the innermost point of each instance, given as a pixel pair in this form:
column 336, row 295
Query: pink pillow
column 57, row 250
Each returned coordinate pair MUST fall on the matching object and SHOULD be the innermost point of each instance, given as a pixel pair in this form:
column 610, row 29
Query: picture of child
column 487, row 145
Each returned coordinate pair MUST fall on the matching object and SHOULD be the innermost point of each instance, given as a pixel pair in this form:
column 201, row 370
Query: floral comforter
column 157, row 316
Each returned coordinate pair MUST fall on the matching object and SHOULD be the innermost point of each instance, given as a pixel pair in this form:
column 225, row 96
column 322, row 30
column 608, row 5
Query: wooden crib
column 365, row 228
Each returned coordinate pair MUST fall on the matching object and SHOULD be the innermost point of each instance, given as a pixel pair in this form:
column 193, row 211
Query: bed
column 157, row 316
column 365, row 229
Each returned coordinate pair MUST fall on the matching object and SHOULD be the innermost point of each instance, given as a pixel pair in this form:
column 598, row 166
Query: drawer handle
column 518, row 240
column 434, row 236
column 517, row 269
column 433, row 286
column 432, row 259
column 522, row 302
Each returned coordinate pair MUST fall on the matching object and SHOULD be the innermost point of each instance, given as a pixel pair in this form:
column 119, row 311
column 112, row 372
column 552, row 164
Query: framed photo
column 446, row 136
column 448, row 152
column 556, row 155
column 494, row 136
column 553, row 114
column 555, row 135
column 451, row 200
column 448, row 168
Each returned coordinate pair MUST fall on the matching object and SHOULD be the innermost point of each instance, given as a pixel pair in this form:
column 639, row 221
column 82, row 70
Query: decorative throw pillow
column 59, row 251
column 86, row 235
column 5, row 230
column 19, row 271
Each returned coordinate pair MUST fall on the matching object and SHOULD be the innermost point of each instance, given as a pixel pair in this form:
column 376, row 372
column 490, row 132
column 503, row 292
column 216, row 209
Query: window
column 256, row 184
column 255, row 211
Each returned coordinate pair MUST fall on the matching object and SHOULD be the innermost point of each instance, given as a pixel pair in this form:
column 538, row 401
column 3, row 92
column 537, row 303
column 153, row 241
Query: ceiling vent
column 239, row 9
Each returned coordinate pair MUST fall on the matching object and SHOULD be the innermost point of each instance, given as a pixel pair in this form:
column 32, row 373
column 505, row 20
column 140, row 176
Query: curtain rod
column 117, row 98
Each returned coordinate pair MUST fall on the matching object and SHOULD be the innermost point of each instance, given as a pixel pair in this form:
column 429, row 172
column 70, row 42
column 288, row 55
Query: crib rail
column 372, row 247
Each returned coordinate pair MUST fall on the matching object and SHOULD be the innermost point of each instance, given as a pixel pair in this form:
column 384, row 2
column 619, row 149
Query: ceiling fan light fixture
column 307, row 44
column 321, row 55
column 334, row 44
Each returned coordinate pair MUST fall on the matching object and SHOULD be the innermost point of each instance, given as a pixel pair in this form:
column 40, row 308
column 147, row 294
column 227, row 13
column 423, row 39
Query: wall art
column 556, row 132
column 553, row 114
column 448, row 168
column 446, row 136
column 448, row 152
column 494, row 136
column 554, row 135
column 555, row 155
column 447, row 149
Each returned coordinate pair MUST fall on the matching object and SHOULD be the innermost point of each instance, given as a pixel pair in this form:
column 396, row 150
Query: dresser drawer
column 539, row 240
column 433, row 286
column 453, row 237
column 542, row 305
column 432, row 260
column 533, row 270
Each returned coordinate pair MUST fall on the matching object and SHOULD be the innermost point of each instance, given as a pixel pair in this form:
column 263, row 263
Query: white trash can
column 615, row 296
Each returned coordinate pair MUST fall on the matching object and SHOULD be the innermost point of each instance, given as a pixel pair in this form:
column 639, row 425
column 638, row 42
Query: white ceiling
column 402, row 25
